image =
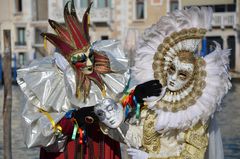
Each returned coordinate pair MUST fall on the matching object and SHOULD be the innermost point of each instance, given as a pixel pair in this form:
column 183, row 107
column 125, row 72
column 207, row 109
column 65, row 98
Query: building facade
column 225, row 27
column 111, row 19
column 16, row 17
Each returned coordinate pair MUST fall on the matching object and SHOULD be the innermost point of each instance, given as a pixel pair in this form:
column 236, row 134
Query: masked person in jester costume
column 175, row 90
column 62, row 89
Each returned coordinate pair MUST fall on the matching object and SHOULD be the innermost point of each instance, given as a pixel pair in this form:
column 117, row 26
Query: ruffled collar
column 217, row 85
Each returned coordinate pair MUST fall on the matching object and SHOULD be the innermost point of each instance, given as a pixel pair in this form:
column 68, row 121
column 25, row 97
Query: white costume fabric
column 49, row 85
column 217, row 82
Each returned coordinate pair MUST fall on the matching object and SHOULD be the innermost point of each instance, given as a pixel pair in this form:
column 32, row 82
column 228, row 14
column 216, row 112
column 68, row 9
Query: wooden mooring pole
column 7, row 102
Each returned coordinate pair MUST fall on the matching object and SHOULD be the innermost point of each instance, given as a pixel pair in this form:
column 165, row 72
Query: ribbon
column 45, row 42
column 126, row 110
column 137, row 107
column 56, row 127
column 74, row 134
column 127, row 99
column 104, row 94
column 68, row 115
column 81, row 133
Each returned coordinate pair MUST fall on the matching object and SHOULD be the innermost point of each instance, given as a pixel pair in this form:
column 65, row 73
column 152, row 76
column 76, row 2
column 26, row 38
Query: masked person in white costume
column 180, row 123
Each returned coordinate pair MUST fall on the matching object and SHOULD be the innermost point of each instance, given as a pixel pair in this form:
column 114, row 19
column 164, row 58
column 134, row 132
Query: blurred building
column 112, row 19
column 225, row 27
column 15, row 15
column 225, row 24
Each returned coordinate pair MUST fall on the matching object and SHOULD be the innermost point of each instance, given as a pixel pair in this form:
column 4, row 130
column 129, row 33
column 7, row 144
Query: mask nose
column 174, row 76
column 89, row 63
column 108, row 115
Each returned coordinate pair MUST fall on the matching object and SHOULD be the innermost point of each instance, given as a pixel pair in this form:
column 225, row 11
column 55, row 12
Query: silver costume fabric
column 49, row 84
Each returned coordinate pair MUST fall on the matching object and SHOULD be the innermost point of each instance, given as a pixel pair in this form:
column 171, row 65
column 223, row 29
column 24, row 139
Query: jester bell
column 73, row 41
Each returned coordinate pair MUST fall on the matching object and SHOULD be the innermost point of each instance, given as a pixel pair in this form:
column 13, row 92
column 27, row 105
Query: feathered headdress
column 73, row 41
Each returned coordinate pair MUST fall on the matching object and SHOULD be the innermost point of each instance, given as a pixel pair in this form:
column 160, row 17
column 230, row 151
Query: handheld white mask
column 109, row 112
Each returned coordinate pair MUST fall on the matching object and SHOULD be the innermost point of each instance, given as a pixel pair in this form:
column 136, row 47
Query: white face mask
column 179, row 74
column 109, row 113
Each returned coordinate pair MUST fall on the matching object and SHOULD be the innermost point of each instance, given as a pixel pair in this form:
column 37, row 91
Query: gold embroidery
column 191, row 152
column 196, row 142
column 177, row 157
column 197, row 136
column 151, row 138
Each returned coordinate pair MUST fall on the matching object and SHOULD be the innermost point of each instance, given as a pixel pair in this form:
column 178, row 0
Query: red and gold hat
column 73, row 41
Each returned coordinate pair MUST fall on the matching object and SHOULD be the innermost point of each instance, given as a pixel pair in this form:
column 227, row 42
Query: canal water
column 229, row 122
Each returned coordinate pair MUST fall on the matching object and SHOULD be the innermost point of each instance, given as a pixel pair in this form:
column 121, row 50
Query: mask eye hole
column 183, row 75
column 172, row 69
column 109, row 108
column 101, row 115
column 81, row 57
column 91, row 56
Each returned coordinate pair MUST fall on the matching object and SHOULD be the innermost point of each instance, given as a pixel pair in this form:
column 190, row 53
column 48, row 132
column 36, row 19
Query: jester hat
column 73, row 41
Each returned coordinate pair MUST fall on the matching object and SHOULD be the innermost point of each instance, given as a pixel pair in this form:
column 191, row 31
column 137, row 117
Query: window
column 21, row 58
column 220, row 8
column 210, row 44
column 231, row 7
column 104, row 3
column 104, row 37
column 40, row 14
column 140, row 9
column 21, row 36
column 84, row 3
column 225, row 8
column 173, row 5
column 18, row 5
column 231, row 41
column 75, row 3
column 38, row 37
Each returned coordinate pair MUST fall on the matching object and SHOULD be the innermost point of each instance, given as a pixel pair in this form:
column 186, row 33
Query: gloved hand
column 85, row 116
column 137, row 154
column 147, row 89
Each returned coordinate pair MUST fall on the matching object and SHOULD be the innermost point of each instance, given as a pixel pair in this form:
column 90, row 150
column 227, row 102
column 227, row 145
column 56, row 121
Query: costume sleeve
column 134, row 135
column 43, row 85
column 38, row 129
